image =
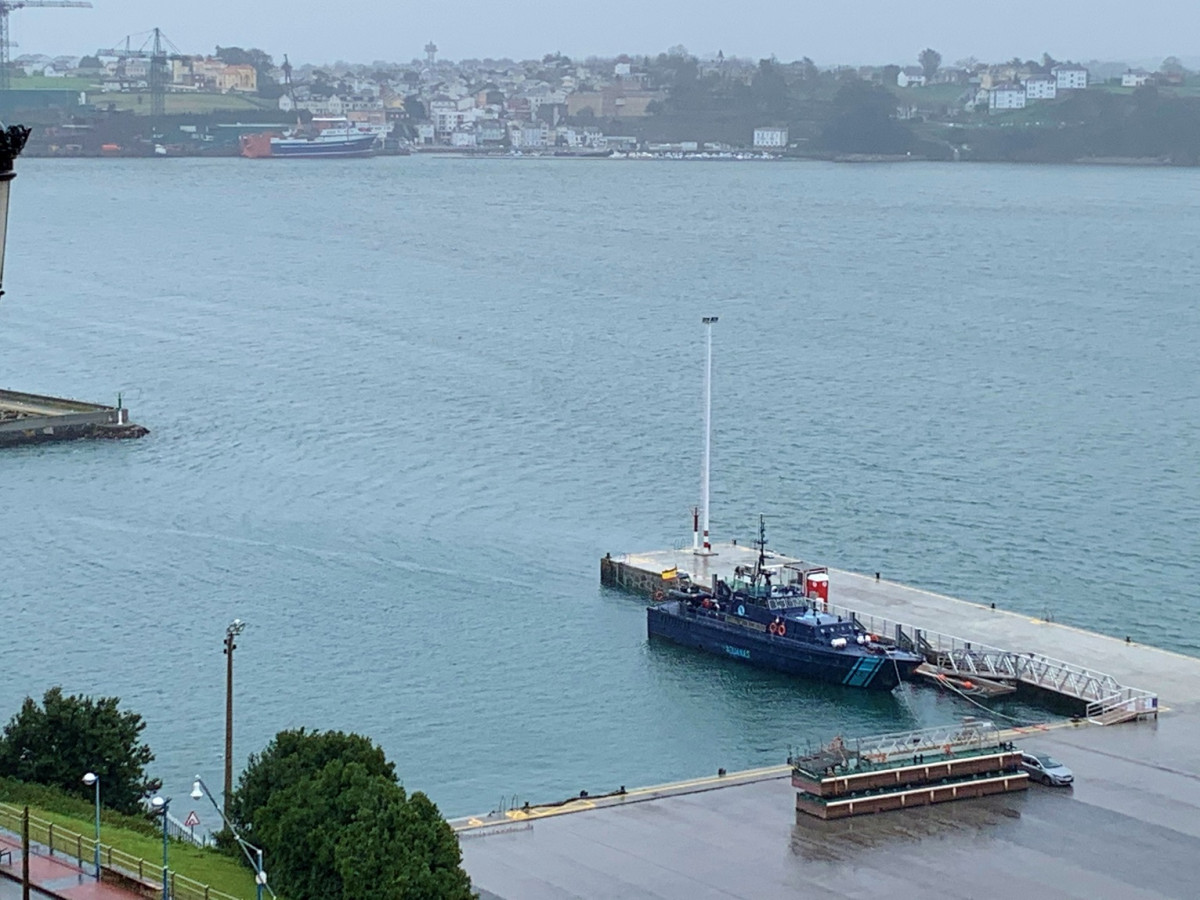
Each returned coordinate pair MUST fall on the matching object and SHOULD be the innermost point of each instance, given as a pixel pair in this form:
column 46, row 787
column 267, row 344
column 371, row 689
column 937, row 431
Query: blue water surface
column 401, row 406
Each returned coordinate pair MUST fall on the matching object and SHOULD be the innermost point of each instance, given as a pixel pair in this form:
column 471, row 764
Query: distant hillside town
column 673, row 102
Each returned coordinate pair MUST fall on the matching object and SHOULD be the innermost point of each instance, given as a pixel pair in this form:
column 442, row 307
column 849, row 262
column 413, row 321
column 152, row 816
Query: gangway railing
column 1106, row 698
column 935, row 744
column 969, row 734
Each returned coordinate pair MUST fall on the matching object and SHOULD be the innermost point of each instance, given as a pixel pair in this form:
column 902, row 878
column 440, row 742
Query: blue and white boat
column 322, row 137
column 776, row 626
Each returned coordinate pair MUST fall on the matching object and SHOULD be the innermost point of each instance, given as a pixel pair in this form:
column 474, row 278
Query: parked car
column 1046, row 769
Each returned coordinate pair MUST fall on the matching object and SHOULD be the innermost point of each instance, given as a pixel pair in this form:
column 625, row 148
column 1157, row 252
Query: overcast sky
column 850, row 31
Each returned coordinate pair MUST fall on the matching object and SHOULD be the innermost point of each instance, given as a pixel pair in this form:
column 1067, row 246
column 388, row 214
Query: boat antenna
column 707, row 550
column 761, row 543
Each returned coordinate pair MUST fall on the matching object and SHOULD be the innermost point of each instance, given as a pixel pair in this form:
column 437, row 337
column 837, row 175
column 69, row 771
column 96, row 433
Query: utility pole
column 25, row 854
column 236, row 627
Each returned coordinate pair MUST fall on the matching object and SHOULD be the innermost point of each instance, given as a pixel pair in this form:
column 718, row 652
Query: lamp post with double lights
column 91, row 778
column 253, row 854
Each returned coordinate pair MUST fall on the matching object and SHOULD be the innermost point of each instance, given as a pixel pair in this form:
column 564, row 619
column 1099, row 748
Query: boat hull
column 284, row 148
column 853, row 668
column 269, row 146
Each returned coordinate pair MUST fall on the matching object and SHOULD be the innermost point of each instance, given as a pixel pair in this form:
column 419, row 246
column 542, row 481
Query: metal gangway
column 970, row 734
column 1108, row 701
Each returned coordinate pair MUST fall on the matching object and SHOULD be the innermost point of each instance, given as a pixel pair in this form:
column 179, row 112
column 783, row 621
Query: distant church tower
column 430, row 53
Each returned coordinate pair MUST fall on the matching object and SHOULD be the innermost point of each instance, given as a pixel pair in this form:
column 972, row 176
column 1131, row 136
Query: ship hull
column 300, row 149
column 268, row 146
column 853, row 668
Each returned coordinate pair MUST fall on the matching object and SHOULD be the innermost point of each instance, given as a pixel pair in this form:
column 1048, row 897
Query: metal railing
column 81, row 849
column 1128, row 703
column 969, row 734
column 182, row 832
column 973, row 658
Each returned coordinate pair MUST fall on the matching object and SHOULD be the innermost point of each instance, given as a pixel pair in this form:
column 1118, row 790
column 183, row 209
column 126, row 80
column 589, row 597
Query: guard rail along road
column 81, row 849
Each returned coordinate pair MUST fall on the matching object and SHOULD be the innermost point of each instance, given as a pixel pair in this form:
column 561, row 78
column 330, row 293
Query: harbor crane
column 153, row 48
column 7, row 6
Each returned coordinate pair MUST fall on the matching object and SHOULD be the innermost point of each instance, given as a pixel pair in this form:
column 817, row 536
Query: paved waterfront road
column 1129, row 829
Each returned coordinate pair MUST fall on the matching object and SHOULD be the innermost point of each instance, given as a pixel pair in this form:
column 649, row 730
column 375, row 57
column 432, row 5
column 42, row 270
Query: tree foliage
column 863, row 121
column 770, row 88
column 57, row 742
column 930, row 61
column 327, row 810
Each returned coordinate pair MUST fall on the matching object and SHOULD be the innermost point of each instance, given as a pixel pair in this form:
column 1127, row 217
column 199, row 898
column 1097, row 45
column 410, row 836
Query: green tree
column 295, row 756
column 863, row 122
column 769, row 88
column 889, row 75
column 930, row 60
column 398, row 849
column 233, row 56
column 327, row 808
column 1173, row 69
column 57, row 742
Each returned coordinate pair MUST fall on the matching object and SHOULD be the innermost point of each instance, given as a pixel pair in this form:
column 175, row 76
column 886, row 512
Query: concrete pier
column 881, row 604
column 1129, row 828
column 33, row 418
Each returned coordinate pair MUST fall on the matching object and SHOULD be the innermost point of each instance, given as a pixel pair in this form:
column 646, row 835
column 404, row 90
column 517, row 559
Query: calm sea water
column 400, row 407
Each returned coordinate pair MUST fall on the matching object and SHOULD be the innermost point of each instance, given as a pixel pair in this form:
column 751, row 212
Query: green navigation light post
column 91, row 778
column 162, row 806
column 253, row 854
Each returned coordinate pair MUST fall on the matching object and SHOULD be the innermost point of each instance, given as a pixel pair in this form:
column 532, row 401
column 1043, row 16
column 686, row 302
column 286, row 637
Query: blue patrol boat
column 779, row 626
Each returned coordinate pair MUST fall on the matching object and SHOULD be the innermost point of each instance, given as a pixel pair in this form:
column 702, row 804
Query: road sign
column 192, row 820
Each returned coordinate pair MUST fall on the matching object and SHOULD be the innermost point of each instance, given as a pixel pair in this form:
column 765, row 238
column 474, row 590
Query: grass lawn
column 182, row 104
column 42, row 83
column 133, row 835
column 933, row 95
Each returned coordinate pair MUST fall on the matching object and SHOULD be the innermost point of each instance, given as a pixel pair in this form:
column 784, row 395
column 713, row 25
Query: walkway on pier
column 1173, row 676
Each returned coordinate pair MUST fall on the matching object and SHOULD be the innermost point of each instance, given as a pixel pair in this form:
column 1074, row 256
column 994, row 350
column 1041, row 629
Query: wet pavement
column 1130, row 828
column 59, row 877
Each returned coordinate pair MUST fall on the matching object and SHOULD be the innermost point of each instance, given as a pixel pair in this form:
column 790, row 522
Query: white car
column 1047, row 770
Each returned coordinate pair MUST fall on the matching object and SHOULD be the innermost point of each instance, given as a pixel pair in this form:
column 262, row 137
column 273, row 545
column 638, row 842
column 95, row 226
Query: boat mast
column 761, row 544
column 708, row 324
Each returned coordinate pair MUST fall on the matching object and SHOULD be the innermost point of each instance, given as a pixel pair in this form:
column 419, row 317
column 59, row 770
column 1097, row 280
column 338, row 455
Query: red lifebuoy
column 658, row 595
column 781, row 630
column 774, row 629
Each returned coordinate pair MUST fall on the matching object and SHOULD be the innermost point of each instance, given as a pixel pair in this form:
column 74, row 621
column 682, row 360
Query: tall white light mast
column 706, row 549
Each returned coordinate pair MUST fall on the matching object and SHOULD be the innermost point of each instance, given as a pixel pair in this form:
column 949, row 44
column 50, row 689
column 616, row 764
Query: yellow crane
column 7, row 6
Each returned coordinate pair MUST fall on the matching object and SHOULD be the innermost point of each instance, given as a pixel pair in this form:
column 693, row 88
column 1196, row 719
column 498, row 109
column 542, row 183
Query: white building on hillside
column 770, row 138
column 911, row 76
column 1006, row 96
column 1136, row 78
column 1040, row 87
column 1070, row 77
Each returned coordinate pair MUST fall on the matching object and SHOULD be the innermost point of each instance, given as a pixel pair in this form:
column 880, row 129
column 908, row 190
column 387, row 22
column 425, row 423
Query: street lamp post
column 162, row 806
column 236, row 627
column 253, row 854
column 91, row 778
